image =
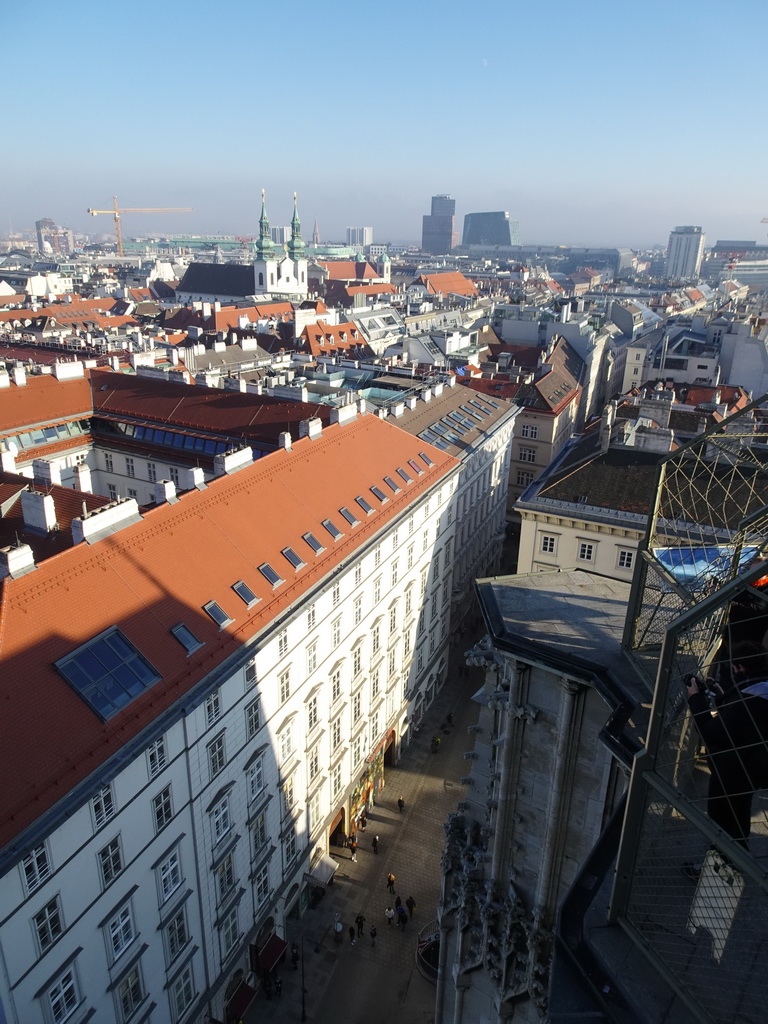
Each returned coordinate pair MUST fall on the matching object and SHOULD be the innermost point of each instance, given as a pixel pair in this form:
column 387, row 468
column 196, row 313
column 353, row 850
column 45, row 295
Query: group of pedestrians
column 399, row 911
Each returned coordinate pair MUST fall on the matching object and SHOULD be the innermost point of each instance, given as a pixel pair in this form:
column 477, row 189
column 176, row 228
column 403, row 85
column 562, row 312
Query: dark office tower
column 438, row 235
column 487, row 229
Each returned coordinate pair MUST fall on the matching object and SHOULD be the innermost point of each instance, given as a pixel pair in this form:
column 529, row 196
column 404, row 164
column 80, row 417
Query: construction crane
column 118, row 211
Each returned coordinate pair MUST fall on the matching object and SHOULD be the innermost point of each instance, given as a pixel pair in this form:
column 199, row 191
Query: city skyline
column 608, row 159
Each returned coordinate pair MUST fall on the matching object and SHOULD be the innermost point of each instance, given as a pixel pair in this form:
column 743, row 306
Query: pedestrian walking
column 402, row 917
column 295, row 955
column 411, row 904
column 375, row 844
column 353, row 848
column 352, row 934
column 363, row 821
column 373, row 934
column 400, row 803
column 360, row 922
column 398, row 904
column 389, row 914
column 278, row 983
column 391, row 882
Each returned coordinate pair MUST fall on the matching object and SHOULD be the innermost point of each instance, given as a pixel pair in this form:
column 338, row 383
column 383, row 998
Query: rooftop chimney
column 46, row 473
column 344, row 414
column 284, row 440
column 165, row 490
column 19, row 375
column 312, row 428
column 194, row 477
column 92, row 526
column 231, row 461
column 7, row 461
column 82, row 474
column 39, row 511
column 16, row 561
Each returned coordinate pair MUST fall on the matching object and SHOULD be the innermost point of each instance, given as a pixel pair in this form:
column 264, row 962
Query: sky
column 592, row 124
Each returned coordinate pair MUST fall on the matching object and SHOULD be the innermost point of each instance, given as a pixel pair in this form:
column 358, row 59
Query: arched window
column 261, row 278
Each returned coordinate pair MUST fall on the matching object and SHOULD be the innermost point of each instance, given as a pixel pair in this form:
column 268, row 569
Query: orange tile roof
column 12, row 300
column 452, row 281
column 348, row 270
column 67, row 502
column 370, row 289
column 44, row 399
column 161, row 571
column 324, row 339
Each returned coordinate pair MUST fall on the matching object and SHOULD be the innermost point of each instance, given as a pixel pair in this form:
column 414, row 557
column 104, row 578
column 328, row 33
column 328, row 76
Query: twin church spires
column 265, row 247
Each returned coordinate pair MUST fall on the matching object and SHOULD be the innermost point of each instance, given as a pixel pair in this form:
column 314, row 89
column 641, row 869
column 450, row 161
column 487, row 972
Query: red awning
column 271, row 952
column 240, row 1001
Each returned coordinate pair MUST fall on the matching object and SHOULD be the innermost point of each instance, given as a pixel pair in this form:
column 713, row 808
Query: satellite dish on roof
column 13, row 448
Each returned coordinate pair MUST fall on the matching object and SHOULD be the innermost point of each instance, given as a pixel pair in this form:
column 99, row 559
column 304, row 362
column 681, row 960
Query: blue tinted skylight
column 186, row 638
column 366, row 506
column 293, row 558
column 245, row 593
column 218, row 614
column 270, row 575
column 313, row 542
column 332, row 528
column 349, row 516
column 108, row 673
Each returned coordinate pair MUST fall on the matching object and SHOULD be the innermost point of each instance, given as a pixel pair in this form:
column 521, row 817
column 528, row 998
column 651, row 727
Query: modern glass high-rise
column 487, row 229
column 438, row 234
column 684, row 253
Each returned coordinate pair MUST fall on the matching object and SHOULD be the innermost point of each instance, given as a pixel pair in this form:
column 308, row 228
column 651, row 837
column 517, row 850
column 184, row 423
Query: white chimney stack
column 82, row 474
column 39, row 511
column 16, row 561
column 164, row 490
column 46, row 473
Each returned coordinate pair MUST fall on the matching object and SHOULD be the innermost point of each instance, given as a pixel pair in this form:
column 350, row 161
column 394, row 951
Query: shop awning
column 324, row 870
column 271, row 952
column 242, row 998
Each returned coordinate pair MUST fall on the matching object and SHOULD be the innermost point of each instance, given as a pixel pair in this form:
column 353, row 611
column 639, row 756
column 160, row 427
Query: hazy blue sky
column 592, row 123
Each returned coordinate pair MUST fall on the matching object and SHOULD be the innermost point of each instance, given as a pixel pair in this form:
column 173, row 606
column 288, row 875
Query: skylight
column 395, row 488
column 426, row 458
column 218, row 614
column 378, row 493
column 108, row 672
column 313, row 542
column 186, row 638
column 349, row 516
column 270, row 575
column 333, row 529
column 415, row 467
column 364, row 505
column 404, row 476
column 293, row 558
column 245, row 593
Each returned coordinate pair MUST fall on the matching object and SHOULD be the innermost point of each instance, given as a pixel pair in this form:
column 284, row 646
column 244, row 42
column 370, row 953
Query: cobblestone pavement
column 366, row 984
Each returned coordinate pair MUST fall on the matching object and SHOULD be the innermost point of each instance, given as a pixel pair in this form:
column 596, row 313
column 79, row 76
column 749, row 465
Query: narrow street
column 363, row 983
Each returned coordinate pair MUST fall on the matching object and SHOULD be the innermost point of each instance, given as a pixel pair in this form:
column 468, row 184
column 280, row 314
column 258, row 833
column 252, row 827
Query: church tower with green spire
column 280, row 275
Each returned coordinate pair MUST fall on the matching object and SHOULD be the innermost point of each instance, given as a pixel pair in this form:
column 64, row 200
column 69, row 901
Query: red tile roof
column 67, row 502
column 43, row 399
column 325, row 339
column 348, row 270
column 161, row 571
column 450, row 282
column 257, row 419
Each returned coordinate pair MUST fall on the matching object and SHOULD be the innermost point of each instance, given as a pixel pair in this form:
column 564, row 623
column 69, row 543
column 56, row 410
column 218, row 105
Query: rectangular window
column 626, row 559
column 212, row 709
column 377, row 558
column 336, row 632
column 133, row 493
column 259, row 832
column 409, row 561
column 358, row 575
column 186, row 638
column 217, row 613
column 161, row 808
column 350, row 517
column 220, row 820
column 103, row 807
column 183, row 992
column 121, row 931
column 524, row 477
column 392, row 661
column 130, row 994
column 256, row 778
column 177, row 934
column 152, row 472
column 282, row 644
column 311, row 617
column 312, row 657
column 269, row 574
column 296, row 561
column 376, row 590
column 229, row 932
column 112, row 492
column 529, row 431
column 289, row 795
column 130, row 467
column 335, row 734
column 110, row 861
column 357, row 660
column 285, row 685
column 586, row 551
column 217, row 757
column 225, row 877
column 109, row 464
column 395, row 571
column 336, row 594
column 174, row 474
column 48, row 924
column 358, row 611
column 374, row 682
column 245, row 593
column 332, row 529
column 252, row 719
column 315, row 814
column 63, row 997
column 356, row 707
column 336, row 780
column 286, row 743
column 251, row 674
column 311, row 713
column 393, row 619
column 408, row 602
column 290, row 847
column 261, row 886
column 527, row 454
column 548, row 545
column 169, row 875
column 335, row 686
column 375, row 638
column 313, row 763
column 313, row 542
